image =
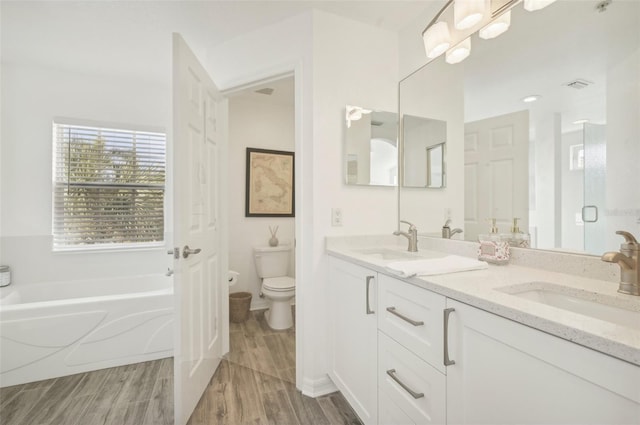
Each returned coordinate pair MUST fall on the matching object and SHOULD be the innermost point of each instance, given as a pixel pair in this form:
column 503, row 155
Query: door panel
column 496, row 173
column 199, row 138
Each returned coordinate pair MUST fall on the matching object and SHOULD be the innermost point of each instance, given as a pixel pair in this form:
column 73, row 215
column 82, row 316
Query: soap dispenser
column 493, row 248
column 515, row 237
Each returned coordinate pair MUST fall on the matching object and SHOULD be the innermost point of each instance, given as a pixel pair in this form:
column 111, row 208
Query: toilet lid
column 282, row 283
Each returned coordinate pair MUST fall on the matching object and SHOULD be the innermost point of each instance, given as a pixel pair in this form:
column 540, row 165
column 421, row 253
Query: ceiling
column 132, row 38
column 544, row 50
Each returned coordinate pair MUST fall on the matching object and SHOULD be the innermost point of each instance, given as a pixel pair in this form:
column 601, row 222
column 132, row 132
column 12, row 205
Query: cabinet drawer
column 390, row 414
column 412, row 316
column 414, row 386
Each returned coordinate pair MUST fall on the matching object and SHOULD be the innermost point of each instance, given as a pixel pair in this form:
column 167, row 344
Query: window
column 108, row 187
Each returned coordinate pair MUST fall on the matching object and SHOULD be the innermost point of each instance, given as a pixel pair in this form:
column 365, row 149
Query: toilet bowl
column 272, row 264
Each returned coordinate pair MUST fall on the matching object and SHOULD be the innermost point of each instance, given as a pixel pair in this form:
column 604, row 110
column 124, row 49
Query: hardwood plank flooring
column 254, row 385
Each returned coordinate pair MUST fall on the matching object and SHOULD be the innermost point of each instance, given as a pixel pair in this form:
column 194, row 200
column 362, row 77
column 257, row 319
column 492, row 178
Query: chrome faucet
column 412, row 235
column 627, row 259
column 447, row 232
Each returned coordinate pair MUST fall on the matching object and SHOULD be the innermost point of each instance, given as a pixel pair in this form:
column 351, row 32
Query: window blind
column 108, row 186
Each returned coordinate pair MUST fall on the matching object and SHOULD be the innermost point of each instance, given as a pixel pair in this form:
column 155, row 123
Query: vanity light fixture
column 581, row 121
column 531, row 98
column 459, row 52
column 533, row 5
column 467, row 13
column 496, row 14
column 436, row 39
column 497, row 27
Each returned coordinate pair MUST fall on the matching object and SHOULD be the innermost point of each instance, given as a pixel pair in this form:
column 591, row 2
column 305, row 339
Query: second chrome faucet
column 411, row 235
column 447, row 231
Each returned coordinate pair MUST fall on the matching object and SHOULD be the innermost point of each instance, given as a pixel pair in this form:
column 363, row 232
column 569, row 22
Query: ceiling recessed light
column 531, row 98
column 582, row 121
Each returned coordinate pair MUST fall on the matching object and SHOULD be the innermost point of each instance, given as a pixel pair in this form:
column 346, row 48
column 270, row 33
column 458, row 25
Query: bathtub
column 61, row 328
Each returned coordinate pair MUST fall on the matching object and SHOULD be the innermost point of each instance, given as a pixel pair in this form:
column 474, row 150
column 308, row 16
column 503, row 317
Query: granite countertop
column 484, row 289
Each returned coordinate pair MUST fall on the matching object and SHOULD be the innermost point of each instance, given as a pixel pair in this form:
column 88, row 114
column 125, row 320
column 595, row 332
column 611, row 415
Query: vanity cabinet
column 353, row 337
column 390, row 341
column 508, row 373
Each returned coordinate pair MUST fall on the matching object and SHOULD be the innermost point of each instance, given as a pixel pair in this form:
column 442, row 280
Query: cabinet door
column 413, row 317
column 508, row 373
column 353, row 336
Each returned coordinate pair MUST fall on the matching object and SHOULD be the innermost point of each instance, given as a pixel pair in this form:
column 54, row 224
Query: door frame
column 301, row 246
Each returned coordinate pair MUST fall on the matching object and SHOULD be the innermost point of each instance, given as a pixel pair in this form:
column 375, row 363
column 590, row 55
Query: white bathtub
column 61, row 328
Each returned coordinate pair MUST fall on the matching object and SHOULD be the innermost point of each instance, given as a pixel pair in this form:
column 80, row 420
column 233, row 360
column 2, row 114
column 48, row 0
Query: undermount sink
column 600, row 306
column 388, row 254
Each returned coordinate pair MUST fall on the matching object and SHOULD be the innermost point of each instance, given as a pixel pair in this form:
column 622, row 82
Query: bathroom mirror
column 545, row 127
column 371, row 147
column 423, row 152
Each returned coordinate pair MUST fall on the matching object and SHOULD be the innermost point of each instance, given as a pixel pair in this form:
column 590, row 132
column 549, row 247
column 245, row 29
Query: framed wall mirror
column 545, row 128
column 370, row 147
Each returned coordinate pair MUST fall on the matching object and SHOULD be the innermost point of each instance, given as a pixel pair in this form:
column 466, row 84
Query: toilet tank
column 272, row 261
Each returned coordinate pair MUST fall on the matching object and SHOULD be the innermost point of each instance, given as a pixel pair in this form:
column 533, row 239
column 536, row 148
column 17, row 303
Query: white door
column 496, row 173
column 200, row 286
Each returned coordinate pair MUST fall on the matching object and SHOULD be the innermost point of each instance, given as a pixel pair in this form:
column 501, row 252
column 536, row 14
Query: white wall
column 265, row 125
column 337, row 62
column 32, row 97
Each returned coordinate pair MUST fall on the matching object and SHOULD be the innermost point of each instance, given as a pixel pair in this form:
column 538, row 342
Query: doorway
column 261, row 116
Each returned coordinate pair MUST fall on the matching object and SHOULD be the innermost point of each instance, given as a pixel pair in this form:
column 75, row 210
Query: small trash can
column 239, row 303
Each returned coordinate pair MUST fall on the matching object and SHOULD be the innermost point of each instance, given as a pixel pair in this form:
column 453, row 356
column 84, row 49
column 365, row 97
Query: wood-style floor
column 136, row 394
column 253, row 385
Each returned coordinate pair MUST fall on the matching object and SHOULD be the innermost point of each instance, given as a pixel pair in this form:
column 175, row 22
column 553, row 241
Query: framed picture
column 270, row 183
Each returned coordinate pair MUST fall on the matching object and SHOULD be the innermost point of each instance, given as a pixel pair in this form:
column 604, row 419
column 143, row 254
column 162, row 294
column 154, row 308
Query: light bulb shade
column 496, row 27
column 436, row 39
column 467, row 13
column 532, row 5
column 459, row 52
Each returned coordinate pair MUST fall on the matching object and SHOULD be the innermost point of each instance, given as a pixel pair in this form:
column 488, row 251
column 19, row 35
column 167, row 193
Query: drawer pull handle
column 392, row 374
column 369, row 279
column 393, row 311
column 447, row 361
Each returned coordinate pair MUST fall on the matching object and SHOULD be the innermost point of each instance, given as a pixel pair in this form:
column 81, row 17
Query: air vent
column 267, row 90
column 578, row 84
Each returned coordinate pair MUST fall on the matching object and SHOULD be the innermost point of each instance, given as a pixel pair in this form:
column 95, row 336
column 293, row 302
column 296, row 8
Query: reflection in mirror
column 550, row 132
column 435, row 166
column 423, row 142
column 371, row 147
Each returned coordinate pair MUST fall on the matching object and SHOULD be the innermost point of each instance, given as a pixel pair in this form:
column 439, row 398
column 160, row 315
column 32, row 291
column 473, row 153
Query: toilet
column 272, row 265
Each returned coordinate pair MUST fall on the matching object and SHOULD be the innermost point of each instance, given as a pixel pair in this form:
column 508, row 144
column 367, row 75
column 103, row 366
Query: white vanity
column 477, row 347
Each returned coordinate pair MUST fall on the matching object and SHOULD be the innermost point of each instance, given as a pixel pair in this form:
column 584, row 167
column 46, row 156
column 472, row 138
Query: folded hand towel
column 433, row 266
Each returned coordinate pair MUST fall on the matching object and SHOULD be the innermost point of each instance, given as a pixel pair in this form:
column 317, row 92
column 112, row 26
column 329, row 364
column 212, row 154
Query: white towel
column 433, row 266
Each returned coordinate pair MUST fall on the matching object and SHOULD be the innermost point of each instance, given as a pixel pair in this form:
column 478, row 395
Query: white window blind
column 108, row 186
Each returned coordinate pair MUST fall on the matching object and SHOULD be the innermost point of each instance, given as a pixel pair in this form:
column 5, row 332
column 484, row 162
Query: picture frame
column 270, row 183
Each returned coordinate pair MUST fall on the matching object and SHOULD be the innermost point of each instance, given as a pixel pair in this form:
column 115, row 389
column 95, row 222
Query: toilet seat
column 279, row 284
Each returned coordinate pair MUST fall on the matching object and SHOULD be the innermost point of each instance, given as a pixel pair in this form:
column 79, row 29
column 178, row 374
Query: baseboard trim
column 318, row 387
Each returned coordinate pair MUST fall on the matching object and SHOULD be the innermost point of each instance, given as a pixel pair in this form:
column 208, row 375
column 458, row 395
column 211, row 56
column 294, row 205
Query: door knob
column 186, row 251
